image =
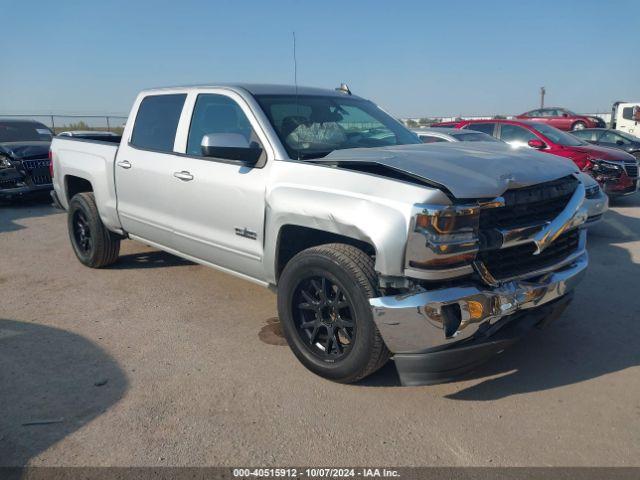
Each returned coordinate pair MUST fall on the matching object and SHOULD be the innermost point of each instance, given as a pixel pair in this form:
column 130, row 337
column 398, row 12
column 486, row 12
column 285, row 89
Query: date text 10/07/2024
column 315, row 472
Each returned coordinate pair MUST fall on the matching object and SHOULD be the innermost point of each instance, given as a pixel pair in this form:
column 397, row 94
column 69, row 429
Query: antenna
column 295, row 64
column 295, row 79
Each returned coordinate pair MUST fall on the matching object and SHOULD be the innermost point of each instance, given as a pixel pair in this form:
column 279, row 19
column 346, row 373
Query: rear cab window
column 156, row 122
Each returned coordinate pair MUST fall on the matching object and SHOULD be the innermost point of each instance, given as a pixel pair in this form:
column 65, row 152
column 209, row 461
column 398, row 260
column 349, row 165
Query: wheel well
column 77, row 185
column 292, row 239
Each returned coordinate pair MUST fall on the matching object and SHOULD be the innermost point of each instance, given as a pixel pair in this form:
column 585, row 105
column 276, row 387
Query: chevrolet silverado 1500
column 377, row 245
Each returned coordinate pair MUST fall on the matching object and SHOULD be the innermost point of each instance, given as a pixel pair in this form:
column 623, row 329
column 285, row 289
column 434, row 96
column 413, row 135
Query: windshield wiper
column 310, row 155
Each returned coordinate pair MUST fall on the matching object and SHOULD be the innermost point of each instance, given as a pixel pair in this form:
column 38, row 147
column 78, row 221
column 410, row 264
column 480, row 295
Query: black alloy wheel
column 81, row 231
column 324, row 318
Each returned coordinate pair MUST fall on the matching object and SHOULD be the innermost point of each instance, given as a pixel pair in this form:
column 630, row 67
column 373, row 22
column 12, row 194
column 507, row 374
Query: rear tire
column 93, row 244
column 578, row 126
column 323, row 304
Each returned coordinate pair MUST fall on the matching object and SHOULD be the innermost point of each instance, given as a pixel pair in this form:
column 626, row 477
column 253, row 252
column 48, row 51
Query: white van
column 626, row 117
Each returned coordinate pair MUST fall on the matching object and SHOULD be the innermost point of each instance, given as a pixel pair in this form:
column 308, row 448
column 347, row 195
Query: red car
column 562, row 119
column 615, row 170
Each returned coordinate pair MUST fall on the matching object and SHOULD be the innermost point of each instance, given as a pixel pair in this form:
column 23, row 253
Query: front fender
column 381, row 223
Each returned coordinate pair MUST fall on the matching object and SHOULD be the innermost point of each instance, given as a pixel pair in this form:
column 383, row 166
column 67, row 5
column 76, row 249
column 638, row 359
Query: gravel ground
column 158, row 361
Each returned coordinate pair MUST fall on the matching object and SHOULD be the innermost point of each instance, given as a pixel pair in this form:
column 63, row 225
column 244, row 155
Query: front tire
column 578, row 126
column 323, row 304
column 93, row 244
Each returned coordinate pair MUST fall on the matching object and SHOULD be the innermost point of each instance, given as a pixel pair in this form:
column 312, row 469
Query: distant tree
column 499, row 117
column 411, row 123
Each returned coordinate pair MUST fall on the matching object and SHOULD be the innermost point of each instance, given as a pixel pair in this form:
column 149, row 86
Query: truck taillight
column 51, row 163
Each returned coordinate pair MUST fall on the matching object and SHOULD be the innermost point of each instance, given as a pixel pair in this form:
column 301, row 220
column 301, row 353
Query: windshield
column 629, row 137
column 24, row 132
column 473, row 137
column 311, row 126
column 558, row 136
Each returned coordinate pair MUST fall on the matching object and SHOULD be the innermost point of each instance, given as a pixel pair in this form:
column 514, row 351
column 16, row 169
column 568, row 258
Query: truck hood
column 25, row 150
column 465, row 169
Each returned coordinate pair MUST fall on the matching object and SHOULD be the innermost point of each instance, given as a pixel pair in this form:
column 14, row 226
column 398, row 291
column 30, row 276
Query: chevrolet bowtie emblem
column 572, row 216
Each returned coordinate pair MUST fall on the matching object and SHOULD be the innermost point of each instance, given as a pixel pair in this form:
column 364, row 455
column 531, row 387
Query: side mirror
column 537, row 144
column 230, row 146
column 619, row 142
column 565, row 115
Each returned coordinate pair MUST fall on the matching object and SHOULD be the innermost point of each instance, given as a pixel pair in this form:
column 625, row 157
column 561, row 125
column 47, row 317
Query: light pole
column 542, row 92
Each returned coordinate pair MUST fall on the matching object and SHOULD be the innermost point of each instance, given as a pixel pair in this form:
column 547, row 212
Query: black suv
column 24, row 158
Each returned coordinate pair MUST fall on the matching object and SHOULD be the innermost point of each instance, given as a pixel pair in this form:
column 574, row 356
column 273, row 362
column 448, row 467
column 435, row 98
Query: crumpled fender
column 382, row 224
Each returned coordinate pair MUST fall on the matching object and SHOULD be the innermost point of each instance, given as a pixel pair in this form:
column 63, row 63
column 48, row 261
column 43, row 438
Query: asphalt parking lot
column 157, row 361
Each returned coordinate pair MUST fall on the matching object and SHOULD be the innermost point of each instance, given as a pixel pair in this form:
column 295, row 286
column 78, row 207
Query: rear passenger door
column 144, row 169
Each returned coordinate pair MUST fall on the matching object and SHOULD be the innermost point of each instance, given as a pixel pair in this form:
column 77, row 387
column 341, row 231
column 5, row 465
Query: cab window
column 215, row 113
column 157, row 122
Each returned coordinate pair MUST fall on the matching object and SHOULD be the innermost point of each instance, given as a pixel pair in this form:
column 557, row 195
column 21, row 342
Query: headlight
column 443, row 237
column 4, row 162
column 592, row 191
column 605, row 167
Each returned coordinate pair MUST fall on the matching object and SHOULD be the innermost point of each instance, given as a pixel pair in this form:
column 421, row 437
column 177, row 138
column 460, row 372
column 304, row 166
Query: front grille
column 13, row 183
column 33, row 164
column 514, row 261
column 41, row 179
column 530, row 205
column 631, row 168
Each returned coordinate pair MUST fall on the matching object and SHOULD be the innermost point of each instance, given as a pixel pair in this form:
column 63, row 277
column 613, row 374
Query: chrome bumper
column 414, row 323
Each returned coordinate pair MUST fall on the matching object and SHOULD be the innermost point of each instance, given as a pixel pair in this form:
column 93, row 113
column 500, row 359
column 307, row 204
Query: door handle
column 124, row 164
column 183, row 175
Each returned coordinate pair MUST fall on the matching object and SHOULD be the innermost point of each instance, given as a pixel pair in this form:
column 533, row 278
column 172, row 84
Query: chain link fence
column 62, row 123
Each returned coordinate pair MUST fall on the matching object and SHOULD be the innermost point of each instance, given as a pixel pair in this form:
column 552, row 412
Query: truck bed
column 90, row 160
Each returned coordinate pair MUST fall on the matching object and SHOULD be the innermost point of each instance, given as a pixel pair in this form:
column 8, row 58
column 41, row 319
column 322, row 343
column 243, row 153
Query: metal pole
column 108, row 126
column 542, row 92
column 53, row 125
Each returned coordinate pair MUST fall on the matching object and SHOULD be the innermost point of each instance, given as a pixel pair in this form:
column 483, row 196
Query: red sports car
column 562, row 119
column 615, row 170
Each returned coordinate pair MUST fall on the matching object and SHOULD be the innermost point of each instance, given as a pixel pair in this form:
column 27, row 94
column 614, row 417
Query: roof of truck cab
column 262, row 89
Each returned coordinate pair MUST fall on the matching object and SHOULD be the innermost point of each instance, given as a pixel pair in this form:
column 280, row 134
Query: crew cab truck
column 376, row 244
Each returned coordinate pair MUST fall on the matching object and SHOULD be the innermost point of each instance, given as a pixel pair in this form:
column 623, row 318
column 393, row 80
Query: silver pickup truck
column 377, row 245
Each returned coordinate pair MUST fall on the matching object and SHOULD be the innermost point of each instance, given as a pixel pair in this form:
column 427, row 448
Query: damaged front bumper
column 14, row 184
column 429, row 330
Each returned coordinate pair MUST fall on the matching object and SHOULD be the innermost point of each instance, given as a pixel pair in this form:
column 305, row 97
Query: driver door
column 219, row 204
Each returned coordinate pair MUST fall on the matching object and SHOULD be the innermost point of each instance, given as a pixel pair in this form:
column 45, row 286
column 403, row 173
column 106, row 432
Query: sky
column 413, row 58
